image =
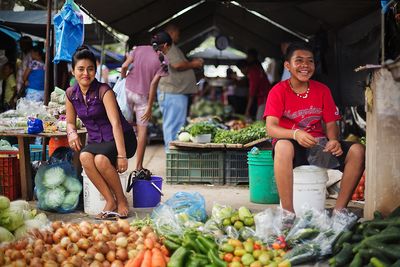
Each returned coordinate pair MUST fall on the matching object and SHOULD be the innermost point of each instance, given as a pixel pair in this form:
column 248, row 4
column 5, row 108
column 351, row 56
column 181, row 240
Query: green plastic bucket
column 261, row 176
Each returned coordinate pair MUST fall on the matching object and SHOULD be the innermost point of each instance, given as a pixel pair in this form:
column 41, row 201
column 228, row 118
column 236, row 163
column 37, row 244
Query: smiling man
column 300, row 114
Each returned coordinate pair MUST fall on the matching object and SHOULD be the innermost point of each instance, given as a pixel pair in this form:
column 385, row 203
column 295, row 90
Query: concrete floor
column 155, row 161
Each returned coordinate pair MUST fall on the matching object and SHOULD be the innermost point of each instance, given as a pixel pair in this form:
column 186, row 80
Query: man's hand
column 305, row 139
column 334, row 147
column 197, row 63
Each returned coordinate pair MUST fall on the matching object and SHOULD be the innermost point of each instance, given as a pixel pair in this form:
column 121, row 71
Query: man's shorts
column 138, row 103
column 300, row 153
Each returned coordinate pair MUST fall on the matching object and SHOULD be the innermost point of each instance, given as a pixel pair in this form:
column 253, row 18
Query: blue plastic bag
column 191, row 204
column 57, row 187
column 35, row 125
column 69, row 27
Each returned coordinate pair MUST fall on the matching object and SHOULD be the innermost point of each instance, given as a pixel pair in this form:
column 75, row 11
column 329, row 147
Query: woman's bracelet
column 294, row 134
column 121, row 157
column 71, row 132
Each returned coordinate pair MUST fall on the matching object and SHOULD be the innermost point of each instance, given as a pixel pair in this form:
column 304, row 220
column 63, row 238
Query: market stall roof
column 260, row 24
column 34, row 22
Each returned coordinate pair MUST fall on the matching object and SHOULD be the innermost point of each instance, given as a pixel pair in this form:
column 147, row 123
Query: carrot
column 164, row 250
column 149, row 243
column 157, row 260
column 147, row 259
column 135, row 262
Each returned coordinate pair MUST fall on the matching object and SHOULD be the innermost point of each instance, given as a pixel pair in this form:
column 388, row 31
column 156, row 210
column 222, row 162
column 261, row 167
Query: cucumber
column 367, row 254
column 357, row 261
column 301, row 254
column 344, row 237
column 396, row 264
column 378, row 263
column 356, row 238
column 343, row 257
column 392, row 252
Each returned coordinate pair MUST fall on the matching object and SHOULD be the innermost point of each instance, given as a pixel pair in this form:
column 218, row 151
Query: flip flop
column 113, row 215
column 101, row 215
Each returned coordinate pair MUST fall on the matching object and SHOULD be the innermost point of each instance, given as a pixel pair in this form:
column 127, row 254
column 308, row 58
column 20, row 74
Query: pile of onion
column 110, row 243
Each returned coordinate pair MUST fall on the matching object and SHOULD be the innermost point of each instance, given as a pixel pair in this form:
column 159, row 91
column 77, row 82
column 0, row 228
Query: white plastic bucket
column 93, row 201
column 309, row 188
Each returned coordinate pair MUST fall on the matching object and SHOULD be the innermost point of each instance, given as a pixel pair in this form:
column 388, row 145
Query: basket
column 10, row 180
column 236, row 168
column 195, row 167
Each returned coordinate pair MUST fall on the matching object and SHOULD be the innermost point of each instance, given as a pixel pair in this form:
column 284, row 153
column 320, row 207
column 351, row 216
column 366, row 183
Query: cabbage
column 39, row 221
column 5, row 235
column 53, row 177
column 21, row 232
column 70, row 201
column 184, row 137
column 72, row 184
column 20, row 205
column 53, row 198
column 29, row 214
column 11, row 219
column 4, row 202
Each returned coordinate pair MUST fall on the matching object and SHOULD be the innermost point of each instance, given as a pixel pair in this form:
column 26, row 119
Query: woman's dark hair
column 297, row 46
column 83, row 52
column 38, row 50
column 159, row 39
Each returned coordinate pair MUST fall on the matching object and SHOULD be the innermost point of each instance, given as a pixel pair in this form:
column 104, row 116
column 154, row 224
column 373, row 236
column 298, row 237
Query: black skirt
column 109, row 149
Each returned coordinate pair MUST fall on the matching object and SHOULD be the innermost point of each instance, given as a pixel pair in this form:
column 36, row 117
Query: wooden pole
column 48, row 54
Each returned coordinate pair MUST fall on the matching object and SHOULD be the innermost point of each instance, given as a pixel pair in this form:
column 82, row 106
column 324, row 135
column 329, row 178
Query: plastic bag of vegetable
column 192, row 204
column 57, row 187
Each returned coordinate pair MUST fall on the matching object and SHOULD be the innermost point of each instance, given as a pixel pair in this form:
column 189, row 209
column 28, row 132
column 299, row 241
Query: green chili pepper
column 201, row 247
column 174, row 238
column 212, row 255
column 207, row 243
column 171, row 246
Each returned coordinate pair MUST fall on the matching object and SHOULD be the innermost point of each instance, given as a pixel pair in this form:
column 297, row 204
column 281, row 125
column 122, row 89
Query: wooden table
column 25, row 157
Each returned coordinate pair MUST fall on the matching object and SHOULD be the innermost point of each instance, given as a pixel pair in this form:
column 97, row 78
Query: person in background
column 111, row 139
column 25, row 44
column 102, row 68
column 285, row 71
column 300, row 114
column 34, row 76
column 176, row 88
column 10, row 86
column 141, row 86
column 259, row 85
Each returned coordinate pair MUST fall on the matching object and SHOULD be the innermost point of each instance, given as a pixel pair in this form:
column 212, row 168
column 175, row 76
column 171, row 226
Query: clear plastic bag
column 220, row 212
column 316, row 156
column 57, row 187
column 272, row 223
column 119, row 90
column 165, row 221
column 192, row 204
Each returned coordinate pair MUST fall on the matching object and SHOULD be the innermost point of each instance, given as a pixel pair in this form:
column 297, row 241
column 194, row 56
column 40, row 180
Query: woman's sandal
column 110, row 215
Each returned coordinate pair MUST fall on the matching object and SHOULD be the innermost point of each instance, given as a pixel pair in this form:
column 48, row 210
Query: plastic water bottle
column 255, row 151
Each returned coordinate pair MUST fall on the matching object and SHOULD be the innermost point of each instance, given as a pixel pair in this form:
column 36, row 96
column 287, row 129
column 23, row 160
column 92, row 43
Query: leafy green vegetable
column 20, row 205
column 53, row 177
column 5, row 235
column 11, row 219
column 202, row 128
column 20, row 232
column 70, row 201
column 4, row 202
column 243, row 136
column 72, row 184
column 53, row 198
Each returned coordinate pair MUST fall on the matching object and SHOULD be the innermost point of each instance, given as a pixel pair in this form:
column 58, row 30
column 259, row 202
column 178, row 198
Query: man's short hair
column 297, row 46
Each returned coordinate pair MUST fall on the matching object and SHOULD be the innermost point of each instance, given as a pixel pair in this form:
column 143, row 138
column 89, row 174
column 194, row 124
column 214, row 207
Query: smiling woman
column 111, row 139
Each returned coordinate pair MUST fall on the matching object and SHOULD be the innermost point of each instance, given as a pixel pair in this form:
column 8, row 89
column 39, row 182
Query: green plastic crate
column 236, row 169
column 195, row 167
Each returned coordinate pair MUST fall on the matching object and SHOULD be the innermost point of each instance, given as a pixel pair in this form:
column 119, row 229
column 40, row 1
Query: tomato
column 361, row 195
column 228, row 257
column 257, row 246
column 236, row 258
column 276, row 246
column 354, row 196
column 362, row 182
column 360, row 189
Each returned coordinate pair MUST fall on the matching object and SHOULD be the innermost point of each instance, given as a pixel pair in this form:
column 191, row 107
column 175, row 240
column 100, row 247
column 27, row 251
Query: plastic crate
column 10, row 180
column 36, row 152
column 195, row 167
column 236, row 168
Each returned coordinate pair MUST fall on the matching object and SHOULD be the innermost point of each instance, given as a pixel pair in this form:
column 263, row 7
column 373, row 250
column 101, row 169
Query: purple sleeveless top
column 93, row 115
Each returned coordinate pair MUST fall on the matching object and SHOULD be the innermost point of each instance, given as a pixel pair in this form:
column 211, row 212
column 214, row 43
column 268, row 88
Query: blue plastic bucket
column 145, row 194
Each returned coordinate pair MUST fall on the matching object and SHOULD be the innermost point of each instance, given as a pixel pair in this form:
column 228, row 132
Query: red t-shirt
column 258, row 83
column 302, row 113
